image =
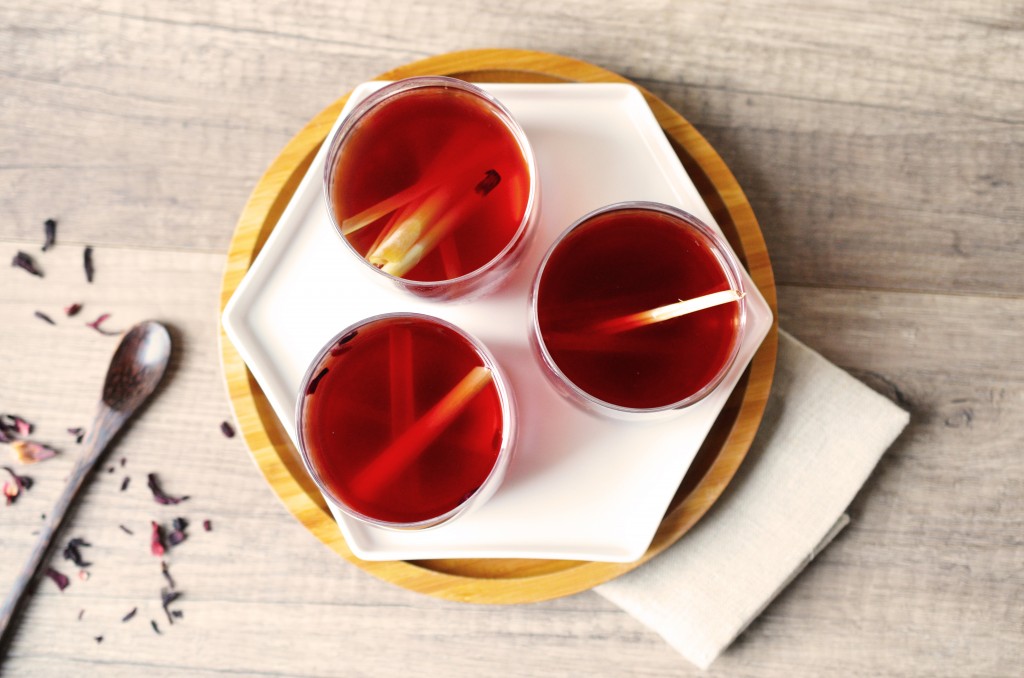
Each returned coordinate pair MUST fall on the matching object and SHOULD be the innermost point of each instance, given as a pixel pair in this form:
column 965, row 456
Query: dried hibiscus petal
column 166, row 572
column 28, row 452
column 159, row 495
column 126, row 530
column 14, row 488
column 72, row 309
column 152, row 622
column 124, row 483
column 90, row 270
column 95, row 324
column 45, row 318
column 227, row 429
column 25, row 262
column 156, row 542
column 49, row 233
column 208, row 525
column 167, row 597
column 22, row 426
column 78, row 432
column 129, row 615
column 72, row 552
column 59, row 579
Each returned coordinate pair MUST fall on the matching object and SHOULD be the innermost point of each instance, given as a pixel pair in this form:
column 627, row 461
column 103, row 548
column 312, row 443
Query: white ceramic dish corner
column 579, row 487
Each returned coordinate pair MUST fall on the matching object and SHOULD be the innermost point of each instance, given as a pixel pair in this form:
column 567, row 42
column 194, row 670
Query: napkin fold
column 822, row 434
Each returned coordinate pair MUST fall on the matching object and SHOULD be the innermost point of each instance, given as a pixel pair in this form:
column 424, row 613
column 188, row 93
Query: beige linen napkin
column 822, row 434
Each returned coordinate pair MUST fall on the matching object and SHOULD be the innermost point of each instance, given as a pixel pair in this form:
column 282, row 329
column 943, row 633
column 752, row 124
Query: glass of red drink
column 637, row 309
column 433, row 184
column 405, row 421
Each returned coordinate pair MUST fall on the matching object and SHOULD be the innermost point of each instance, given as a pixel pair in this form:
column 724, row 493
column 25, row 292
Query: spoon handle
column 105, row 425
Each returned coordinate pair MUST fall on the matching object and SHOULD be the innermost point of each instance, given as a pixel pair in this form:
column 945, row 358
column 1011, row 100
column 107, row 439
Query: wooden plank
column 881, row 146
column 925, row 581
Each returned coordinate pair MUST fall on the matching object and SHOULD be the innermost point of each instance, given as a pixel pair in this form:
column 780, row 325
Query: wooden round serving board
column 504, row 580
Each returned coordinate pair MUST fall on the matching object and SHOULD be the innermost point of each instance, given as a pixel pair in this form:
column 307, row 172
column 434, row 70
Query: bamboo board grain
column 504, row 580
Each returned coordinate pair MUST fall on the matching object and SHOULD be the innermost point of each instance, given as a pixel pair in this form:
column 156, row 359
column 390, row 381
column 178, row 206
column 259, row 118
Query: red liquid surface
column 449, row 139
column 625, row 262
column 377, row 385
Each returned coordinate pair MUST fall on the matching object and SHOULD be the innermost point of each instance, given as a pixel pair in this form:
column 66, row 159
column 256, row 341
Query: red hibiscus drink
column 405, row 421
column 638, row 308
column 432, row 183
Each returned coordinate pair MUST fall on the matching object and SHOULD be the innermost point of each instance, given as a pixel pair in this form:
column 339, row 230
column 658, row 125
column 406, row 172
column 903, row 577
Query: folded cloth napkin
column 822, row 434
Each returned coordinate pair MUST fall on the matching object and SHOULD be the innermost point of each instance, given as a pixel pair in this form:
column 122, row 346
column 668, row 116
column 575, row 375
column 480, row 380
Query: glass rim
column 508, row 421
column 726, row 258
column 399, row 87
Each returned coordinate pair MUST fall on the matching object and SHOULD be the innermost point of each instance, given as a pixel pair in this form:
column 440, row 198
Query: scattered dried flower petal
column 166, row 598
column 59, row 579
column 99, row 639
column 90, row 270
column 124, row 483
column 227, row 429
column 50, row 233
column 156, row 543
column 129, row 615
column 14, row 488
column 83, row 575
column 45, row 318
column 24, row 261
column 81, row 613
column 95, row 324
column 123, row 460
column 126, row 530
column 208, row 525
column 165, row 571
column 72, row 309
column 22, row 426
column 159, row 495
column 28, row 452
column 72, row 553
column 152, row 622
column 79, row 434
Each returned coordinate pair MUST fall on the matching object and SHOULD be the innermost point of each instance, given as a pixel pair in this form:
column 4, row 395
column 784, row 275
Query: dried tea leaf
column 90, row 270
column 28, row 452
column 227, row 429
column 152, row 622
column 72, row 309
column 25, row 262
column 167, row 597
column 126, row 530
column 129, row 615
column 79, row 434
column 45, row 318
column 49, row 233
column 59, row 579
column 124, row 483
column 159, row 495
column 99, row 639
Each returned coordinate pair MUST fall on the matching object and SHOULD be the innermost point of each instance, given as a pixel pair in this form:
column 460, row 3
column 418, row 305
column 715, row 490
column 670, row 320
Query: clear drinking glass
column 637, row 309
column 433, row 185
column 405, row 421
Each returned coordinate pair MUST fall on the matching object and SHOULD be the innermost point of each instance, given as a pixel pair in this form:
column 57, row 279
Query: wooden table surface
column 881, row 145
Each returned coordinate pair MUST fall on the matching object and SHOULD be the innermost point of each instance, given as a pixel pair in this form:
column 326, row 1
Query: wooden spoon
column 135, row 370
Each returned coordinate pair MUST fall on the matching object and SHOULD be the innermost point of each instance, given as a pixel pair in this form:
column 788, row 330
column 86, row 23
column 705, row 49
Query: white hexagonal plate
column 579, row 487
